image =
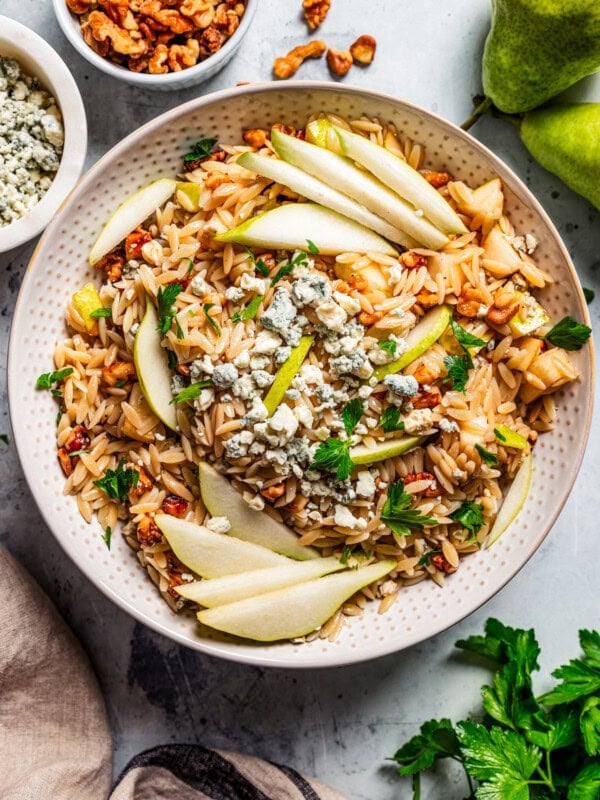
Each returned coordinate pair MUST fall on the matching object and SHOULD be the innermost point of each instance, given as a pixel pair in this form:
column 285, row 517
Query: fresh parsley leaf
column 590, row 644
column 201, row 149
column 470, row 516
column 121, row 384
column 56, row 392
column 398, row 515
column 390, row 420
column 333, row 455
column 586, row 784
column 191, row 392
column 116, row 483
column 589, row 722
column 464, row 338
column 351, row 414
column 579, row 679
column 436, row 740
column 499, row 435
column 568, row 334
column 299, row 261
column 312, row 247
column 346, row 553
column 249, row 311
column 107, row 536
column 47, row 379
column 503, row 644
column 458, row 370
column 388, row 346
column 166, row 310
column 4, row 438
column 486, row 456
column 101, row 312
column 498, row 756
column 425, row 559
column 589, row 295
column 211, row 320
column 172, row 359
column 262, row 268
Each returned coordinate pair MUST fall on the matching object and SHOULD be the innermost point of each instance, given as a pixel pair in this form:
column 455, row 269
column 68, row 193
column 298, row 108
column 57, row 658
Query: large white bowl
column 60, row 266
column 201, row 72
column 39, row 60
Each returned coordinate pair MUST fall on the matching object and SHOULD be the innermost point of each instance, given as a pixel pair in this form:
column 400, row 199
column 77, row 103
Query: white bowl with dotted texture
column 60, row 267
column 38, row 59
column 192, row 76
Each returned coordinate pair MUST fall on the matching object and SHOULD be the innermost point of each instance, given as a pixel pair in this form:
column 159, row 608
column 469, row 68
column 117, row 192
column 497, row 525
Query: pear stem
column 481, row 109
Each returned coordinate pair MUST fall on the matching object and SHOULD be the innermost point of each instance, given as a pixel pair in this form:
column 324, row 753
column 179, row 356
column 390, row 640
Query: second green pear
column 538, row 48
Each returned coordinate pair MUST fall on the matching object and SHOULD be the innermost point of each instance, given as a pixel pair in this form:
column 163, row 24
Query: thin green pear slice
column 514, row 500
column 293, row 611
column 231, row 588
column 361, row 454
column 419, row 340
column 310, row 187
column 393, row 172
column 286, row 374
column 152, row 368
column 289, row 226
column 212, row 555
column 222, row 500
column 131, row 213
column 341, row 174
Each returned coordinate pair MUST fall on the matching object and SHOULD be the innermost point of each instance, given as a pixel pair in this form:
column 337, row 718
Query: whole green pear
column 537, row 48
column 565, row 139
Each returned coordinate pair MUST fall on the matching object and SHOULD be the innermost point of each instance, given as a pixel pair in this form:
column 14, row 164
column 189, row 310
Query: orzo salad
column 342, row 403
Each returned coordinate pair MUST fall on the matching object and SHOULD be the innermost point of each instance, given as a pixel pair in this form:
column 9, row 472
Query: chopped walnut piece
column 427, row 299
column 286, row 66
column 339, row 61
column 412, row 260
column 274, row 492
column 440, row 562
column 183, row 55
column 255, row 137
column 157, row 64
column 210, row 41
column 470, row 301
column 201, row 13
column 104, row 29
column 437, row 179
column 112, row 264
column 144, row 483
column 148, row 532
column 315, row 12
column 226, row 20
column 174, row 505
column 135, row 241
column 78, row 440
column 169, row 18
column 427, row 399
column 117, row 372
column 79, row 6
column 363, row 49
column 65, row 461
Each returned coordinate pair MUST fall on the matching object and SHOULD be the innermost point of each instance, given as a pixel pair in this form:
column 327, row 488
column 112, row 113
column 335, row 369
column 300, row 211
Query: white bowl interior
column 38, row 59
column 60, row 267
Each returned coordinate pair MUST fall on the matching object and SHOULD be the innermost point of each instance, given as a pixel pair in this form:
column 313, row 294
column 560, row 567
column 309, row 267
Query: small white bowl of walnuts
column 156, row 44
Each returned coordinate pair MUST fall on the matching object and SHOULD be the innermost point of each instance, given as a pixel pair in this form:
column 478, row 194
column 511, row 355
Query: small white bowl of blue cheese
column 43, row 133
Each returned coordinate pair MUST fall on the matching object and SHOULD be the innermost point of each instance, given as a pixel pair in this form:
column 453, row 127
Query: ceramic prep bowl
column 170, row 80
column 39, row 60
column 60, row 266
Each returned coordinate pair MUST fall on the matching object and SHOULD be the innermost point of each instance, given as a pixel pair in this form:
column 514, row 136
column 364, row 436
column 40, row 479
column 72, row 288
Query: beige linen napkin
column 55, row 741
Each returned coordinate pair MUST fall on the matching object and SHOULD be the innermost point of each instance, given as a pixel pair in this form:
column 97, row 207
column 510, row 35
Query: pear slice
column 231, row 588
column 293, row 611
column 393, row 172
column 361, row 454
column 286, row 374
column 514, row 500
column 212, row 555
column 312, row 188
column 509, row 438
column 188, row 195
column 152, row 368
column 87, row 300
column 419, row 340
column 222, row 500
column 341, row 174
column 289, row 226
column 131, row 213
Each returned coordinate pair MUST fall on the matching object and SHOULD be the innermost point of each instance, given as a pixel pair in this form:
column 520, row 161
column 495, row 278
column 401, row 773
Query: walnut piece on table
column 339, row 61
column 363, row 49
column 315, row 12
column 286, row 66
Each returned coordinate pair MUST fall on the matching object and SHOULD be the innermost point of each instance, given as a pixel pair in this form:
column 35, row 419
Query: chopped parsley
column 470, row 515
column 351, row 414
column 346, row 553
column 589, row 295
column 458, row 370
column 116, row 483
column 166, row 310
column 464, row 338
column 486, row 456
column 390, row 420
column 425, row 560
column 47, row 379
column 107, row 536
column 262, row 268
column 334, row 454
column 249, row 311
column 202, row 149
column 211, row 320
column 121, row 384
column 191, row 392
column 568, row 334
column 101, row 312
column 312, row 247
column 282, row 272
column 388, row 346
column 398, row 515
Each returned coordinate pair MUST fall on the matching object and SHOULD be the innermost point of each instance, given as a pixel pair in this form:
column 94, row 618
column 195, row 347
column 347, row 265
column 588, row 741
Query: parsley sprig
column 458, row 366
column 470, row 516
column 116, row 483
column 191, row 392
column 390, row 420
column 48, row 379
column 398, row 515
column 388, row 346
column 166, row 310
column 486, row 455
column 526, row 747
column 333, row 455
column 568, row 334
column 202, row 149
column 299, row 261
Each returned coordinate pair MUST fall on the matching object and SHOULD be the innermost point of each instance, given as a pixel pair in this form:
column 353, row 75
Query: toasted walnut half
column 363, row 49
column 339, row 61
column 286, row 66
column 315, row 12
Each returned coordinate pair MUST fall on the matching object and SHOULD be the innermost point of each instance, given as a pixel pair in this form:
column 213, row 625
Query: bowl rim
column 216, row 648
column 69, row 25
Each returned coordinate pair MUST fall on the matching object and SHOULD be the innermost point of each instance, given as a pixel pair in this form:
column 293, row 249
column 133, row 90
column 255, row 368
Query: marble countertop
column 337, row 724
